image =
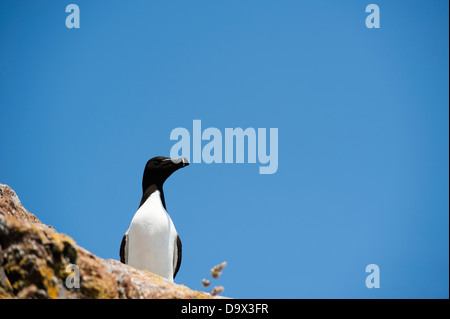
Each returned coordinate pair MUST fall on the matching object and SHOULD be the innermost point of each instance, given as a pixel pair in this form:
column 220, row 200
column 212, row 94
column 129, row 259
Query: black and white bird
column 152, row 242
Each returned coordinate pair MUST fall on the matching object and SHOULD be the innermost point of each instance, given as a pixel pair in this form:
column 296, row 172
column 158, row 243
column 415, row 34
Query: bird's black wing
column 177, row 256
column 123, row 249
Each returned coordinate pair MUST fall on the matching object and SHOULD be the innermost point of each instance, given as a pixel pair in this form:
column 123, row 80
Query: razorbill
column 152, row 242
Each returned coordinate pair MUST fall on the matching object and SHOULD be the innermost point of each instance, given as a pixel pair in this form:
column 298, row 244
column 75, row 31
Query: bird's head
column 159, row 168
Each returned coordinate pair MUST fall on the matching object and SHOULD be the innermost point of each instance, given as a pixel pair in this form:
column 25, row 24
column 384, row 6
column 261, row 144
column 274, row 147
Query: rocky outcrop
column 38, row 262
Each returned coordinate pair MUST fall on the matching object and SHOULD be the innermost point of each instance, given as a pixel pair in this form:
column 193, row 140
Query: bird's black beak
column 184, row 161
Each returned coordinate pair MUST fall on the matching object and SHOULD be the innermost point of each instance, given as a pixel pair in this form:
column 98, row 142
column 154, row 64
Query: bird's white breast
column 151, row 238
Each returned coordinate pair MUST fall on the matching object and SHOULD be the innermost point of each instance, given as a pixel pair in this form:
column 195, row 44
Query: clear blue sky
column 362, row 115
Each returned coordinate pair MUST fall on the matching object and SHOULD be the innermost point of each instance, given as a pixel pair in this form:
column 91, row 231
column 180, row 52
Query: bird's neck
column 150, row 190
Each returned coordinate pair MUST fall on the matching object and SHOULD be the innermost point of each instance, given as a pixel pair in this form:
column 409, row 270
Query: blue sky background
column 363, row 124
